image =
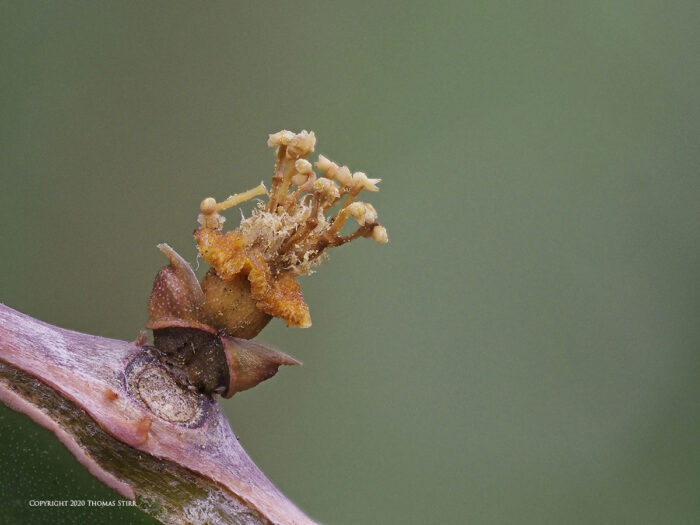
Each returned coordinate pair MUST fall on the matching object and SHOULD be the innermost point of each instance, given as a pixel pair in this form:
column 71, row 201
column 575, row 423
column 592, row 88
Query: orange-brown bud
column 229, row 306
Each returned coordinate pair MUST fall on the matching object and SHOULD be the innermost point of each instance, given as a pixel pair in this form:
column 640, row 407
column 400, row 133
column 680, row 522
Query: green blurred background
column 524, row 350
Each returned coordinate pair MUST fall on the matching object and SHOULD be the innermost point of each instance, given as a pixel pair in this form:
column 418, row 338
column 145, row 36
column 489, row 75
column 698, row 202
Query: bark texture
column 134, row 427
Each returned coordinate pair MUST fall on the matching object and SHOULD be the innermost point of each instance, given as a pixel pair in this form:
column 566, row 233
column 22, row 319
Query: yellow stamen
column 238, row 198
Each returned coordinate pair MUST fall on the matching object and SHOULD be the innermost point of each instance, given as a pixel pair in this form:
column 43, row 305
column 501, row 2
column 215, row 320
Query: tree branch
column 126, row 419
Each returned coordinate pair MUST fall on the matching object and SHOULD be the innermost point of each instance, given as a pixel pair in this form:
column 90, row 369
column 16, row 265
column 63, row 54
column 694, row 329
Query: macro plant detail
column 285, row 237
column 202, row 330
column 143, row 418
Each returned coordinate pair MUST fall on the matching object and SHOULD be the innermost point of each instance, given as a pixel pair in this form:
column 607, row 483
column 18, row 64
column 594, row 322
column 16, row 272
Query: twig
column 125, row 418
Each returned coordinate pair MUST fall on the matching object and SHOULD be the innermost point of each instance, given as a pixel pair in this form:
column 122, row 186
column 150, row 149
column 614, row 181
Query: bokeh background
column 526, row 347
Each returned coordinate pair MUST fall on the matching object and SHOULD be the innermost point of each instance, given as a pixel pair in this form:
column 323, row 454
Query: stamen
column 290, row 234
column 286, row 181
column 277, row 176
column 344, row 213
column 238, row 198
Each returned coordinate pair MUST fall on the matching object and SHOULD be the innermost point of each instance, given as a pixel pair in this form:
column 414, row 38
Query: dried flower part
column 275, row 293
column 285, row 237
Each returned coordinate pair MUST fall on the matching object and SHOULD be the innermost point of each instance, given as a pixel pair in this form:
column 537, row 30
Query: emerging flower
column 255, row 266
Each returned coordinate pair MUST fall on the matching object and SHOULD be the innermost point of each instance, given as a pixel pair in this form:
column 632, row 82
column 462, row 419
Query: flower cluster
column 289, row 234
